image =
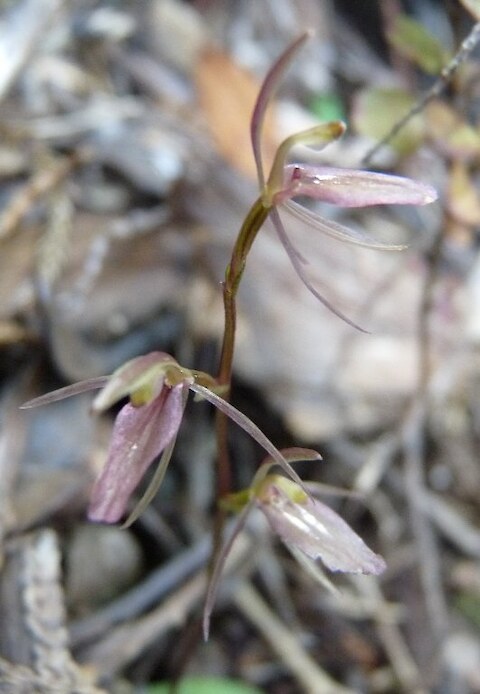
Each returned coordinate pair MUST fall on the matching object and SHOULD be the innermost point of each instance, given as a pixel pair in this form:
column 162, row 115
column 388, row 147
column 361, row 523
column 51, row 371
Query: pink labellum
column 319, row 532
column 139, row 435
column 352, row 188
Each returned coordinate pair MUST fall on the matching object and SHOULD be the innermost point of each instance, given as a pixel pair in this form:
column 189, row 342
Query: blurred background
column 125, row 174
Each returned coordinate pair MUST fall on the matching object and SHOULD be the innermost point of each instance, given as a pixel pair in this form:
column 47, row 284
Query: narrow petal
column 139, row 435
column 153, row 487
column 247, row 425
column 295, row 454
column 66, row 392
column 297, row 266
column 291, row 455
column 354, row 188
column 284, row 238
column 336, row 230
column 319, row 532
column 267, row 91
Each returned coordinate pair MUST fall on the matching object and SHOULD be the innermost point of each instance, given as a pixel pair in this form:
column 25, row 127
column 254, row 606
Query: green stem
column 233, row 275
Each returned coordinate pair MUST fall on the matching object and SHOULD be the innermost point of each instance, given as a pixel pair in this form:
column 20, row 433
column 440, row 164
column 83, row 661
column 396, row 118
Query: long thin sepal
column 338, row 231
column 267, row 91
column 277, row 223
column 66, row 392
column 218, row 568
column 247, row 425
column 153, row 487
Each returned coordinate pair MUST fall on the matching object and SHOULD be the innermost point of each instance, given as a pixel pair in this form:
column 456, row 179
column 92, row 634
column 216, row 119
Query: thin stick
column 414, row 438
column 466, row 48
column 308, row 673
column 38, row 186
column 391, row 637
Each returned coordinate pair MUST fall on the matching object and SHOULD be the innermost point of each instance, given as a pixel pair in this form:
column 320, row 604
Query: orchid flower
column 147, row 426
column 308, row 528
column 343, row 187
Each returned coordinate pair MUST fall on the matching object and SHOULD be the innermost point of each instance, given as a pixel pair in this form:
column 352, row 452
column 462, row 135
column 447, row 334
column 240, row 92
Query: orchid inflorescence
column 157, row 387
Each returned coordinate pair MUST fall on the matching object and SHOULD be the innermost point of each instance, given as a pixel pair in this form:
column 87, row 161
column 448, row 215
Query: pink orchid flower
column 147, row 426
column 343, row 187
column 308, row 528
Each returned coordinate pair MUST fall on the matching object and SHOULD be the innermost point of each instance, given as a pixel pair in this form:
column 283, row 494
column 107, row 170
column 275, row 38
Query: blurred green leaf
column 377, row 110
column 204, row 685
column 327, row 106
column 413, row 41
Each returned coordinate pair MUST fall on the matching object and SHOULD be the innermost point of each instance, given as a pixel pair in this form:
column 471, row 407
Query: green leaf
column 377, row 110
column 327, row 106
column 204, row 685
column 413, row 41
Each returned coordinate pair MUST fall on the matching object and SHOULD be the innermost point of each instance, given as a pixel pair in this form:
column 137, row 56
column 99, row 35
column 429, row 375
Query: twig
column 414, row 436
column 22, row 29
column 39, row 185
column 453, row 525
column 435, row 90
column 425, row 538
column 310, row 675
column 391, row 637
column 125, row 643
column 151, row 590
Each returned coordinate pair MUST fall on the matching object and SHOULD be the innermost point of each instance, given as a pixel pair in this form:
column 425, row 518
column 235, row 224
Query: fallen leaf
column 227, row 94
column 462, row 196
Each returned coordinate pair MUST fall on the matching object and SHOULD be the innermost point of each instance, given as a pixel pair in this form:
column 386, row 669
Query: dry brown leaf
column 11, row 333
column 462, row 197
column 227, row 94
column 453, row 136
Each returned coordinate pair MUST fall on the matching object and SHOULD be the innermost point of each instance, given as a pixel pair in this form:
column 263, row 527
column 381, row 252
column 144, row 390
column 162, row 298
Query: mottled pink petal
column 319, row 532
column 353, row 188
column 139, row 435
column 67, row 392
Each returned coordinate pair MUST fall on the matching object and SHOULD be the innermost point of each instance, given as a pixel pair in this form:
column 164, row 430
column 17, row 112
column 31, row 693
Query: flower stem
column 233, row 275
